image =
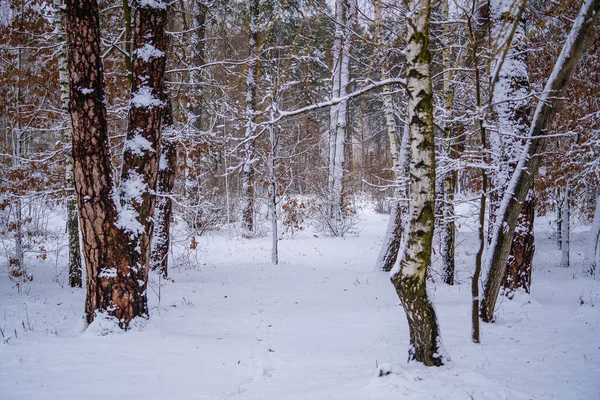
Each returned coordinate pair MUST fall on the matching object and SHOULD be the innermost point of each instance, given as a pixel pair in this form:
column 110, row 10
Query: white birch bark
column 410, row 276
column 566, row 225
column 590, row 261
column 345, row 11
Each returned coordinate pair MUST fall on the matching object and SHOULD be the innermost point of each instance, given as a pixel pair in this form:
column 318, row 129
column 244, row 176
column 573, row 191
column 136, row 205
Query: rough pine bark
column 527, row 167
column 409, row 278
column 161, row 239
column 141, row 153
column 116, row 237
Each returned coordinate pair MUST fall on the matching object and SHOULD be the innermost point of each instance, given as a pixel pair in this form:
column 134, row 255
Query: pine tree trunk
column 161, row 239
column 522, row 179
column 410, row 278
column 116, row 238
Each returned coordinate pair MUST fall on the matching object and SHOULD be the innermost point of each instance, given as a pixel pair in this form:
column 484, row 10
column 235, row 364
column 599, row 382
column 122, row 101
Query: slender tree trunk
column 273, row 192
column 252, row 75
column 75, row 274
column 448, row 228
column 590, row 263
column 200, row 55
column 128, row 55
column 522, row 179
column 338, row 114
column 410, row 277
column 116, row 237
column 566, row 226
column 17, row 263
column 558, row 218
column 476, row 34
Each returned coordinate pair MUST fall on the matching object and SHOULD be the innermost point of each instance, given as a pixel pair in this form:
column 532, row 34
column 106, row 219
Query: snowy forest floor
column 231, row 325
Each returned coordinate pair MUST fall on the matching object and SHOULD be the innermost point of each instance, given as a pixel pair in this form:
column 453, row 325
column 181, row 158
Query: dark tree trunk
column 142, row 150
column 518, row 267
column 75, row 273
column 159, row 257
column 116, row 241
column 522, row 180
column 200, row 55
column 253, row 9
column 391, row 245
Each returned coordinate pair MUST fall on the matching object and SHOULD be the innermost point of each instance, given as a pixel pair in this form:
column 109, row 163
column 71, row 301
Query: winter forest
column 300, row 199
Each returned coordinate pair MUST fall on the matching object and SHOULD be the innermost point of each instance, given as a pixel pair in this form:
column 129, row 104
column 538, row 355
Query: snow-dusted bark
column 250, row 116
column 410, row 275
column 273, row 193
column 116, row 230
column 17, row 261
column 566, row 226
column 528, row 164
column 167, row 167
column 391, row 243
column 75, row 276
column 590, row 261
column 448, row 180
column 197, row 108
column 511, row 104
column 345, row 11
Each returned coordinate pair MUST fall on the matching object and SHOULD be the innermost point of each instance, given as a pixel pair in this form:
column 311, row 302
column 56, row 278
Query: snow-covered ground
column 231, row 325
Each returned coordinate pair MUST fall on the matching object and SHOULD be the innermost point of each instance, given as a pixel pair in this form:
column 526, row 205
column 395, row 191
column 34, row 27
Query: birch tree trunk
column 528, row 164
column 338, row 114
column 250, row 128
column 116, row 232
column 566, row 226
column 75, row 273
column 590, row 261
column 409, row 277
